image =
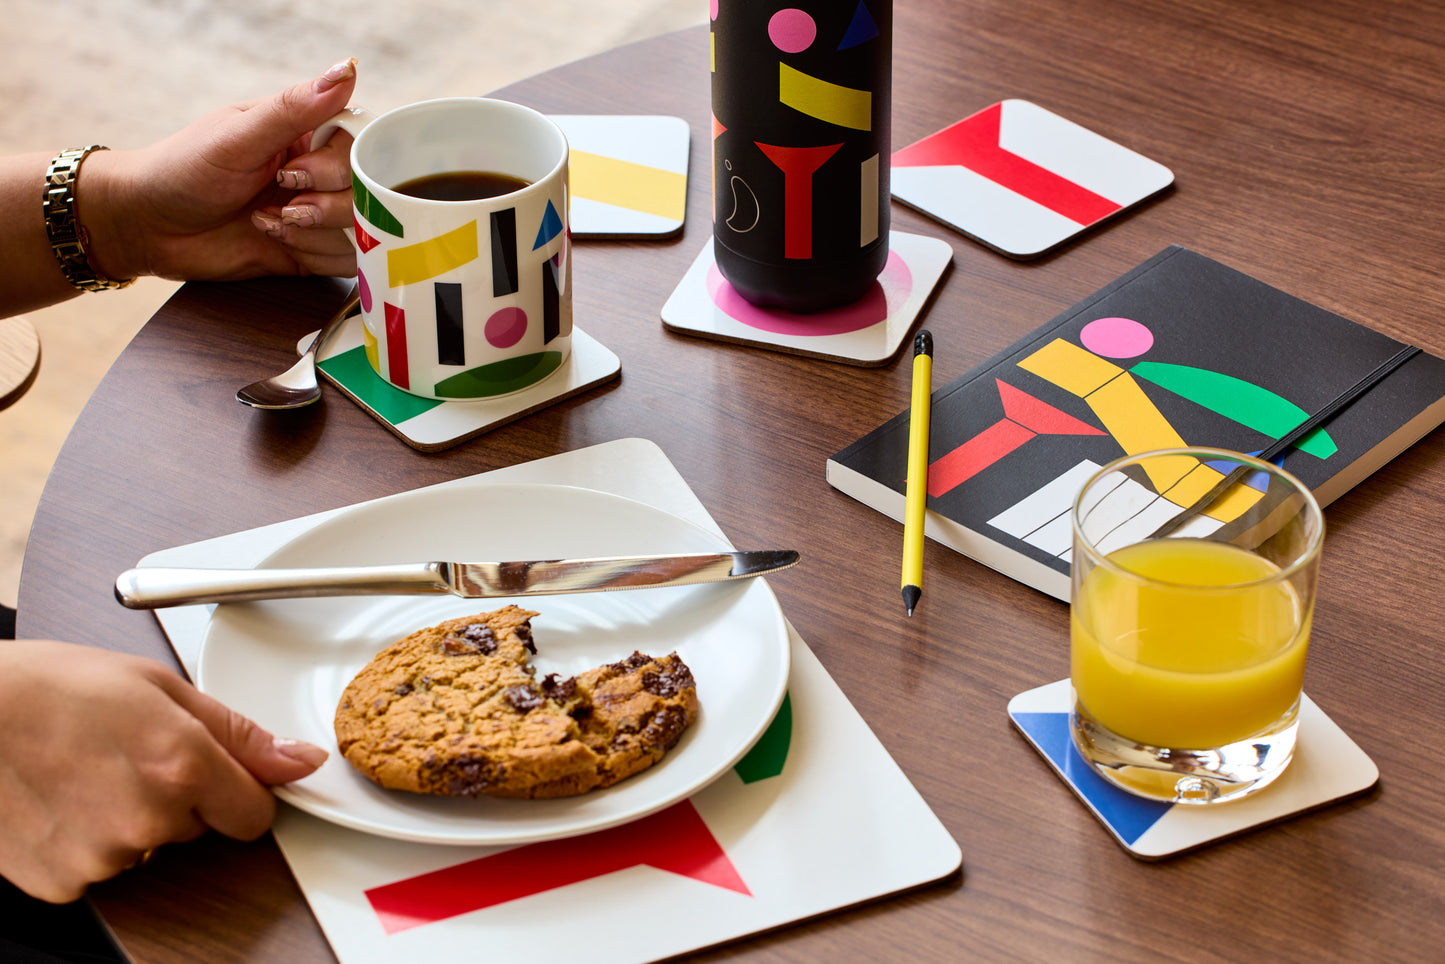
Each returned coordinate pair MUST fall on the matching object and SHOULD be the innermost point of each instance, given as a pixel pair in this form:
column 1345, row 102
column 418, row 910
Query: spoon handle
column 347, row 309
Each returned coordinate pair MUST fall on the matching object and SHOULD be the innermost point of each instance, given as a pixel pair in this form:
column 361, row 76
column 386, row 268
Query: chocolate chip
column 481, row 634
column 470, row 640
column 665, row 727
column 402, row 690
column 464, row 776
column 559, row 690
column 523, row 699
column 524, row 633
column 630, row 663
column 674, row 678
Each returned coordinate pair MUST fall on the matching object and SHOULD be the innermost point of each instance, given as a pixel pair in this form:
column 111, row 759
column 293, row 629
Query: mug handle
column 353, row 120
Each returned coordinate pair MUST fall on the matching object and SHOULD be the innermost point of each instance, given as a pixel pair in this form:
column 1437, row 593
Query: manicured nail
column 301, row 751
column 301, row 215
column 294, row 180
column 268, row 223
column 335, row 74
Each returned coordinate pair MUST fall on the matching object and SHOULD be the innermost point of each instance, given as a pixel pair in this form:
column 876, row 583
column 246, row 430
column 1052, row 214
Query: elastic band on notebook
column 1290, row 439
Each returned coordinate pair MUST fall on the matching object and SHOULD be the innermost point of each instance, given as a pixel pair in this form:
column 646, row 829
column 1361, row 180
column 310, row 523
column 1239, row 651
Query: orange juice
column 1192, row 645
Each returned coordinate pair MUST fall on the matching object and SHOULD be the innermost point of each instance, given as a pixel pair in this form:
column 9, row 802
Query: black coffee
column 461, row 185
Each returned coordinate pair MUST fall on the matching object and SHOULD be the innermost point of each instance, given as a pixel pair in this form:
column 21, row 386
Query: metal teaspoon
column 297, row 386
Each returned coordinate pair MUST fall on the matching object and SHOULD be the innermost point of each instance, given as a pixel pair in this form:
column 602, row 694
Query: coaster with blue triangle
column 1327, row 767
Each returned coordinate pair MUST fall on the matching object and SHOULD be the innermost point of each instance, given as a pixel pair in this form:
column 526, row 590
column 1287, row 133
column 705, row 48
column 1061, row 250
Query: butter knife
column 157, row 588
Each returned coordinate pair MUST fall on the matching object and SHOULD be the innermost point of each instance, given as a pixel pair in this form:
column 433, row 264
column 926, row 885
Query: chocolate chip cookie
column 455, row 709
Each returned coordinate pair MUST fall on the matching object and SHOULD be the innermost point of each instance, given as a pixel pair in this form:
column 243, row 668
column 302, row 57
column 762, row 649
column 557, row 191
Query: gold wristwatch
column 67, row 235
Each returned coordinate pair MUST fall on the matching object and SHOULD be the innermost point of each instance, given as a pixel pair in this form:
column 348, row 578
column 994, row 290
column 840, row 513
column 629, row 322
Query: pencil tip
column 911, row 595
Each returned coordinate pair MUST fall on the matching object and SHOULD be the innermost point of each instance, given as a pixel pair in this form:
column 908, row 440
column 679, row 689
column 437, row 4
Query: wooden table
column 19, row 358
column 1307, row 142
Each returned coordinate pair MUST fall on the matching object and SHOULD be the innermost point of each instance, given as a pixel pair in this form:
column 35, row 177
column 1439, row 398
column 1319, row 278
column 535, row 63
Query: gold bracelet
column 67, row 235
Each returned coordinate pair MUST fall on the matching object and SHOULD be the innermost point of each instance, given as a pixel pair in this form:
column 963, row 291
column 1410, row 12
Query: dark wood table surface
column 1307, row 142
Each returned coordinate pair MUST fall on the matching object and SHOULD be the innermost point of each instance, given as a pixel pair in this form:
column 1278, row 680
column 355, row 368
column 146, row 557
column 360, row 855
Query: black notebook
column 1181, row 350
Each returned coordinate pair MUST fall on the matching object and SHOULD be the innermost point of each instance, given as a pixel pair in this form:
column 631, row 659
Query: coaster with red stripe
column 1022, row 180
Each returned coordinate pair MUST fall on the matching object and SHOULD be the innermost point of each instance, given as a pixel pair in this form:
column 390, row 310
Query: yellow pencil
column 917, row 486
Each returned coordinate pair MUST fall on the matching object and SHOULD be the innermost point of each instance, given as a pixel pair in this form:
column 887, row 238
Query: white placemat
column 816, row 818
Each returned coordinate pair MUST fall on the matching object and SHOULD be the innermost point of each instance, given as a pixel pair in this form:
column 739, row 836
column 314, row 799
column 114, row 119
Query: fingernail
column 335, row 74
column 301, row 751
column 268, row 223
column 301, row 215
column 294, row 180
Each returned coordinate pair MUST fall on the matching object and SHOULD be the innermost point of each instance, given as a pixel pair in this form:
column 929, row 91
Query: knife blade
column 158, row 587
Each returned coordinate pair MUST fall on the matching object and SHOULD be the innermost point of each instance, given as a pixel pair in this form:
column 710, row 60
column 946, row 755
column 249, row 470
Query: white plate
column 284, row 663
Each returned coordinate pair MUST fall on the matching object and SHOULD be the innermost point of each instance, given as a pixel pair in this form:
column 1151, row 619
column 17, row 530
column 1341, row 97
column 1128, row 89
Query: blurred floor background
column 127, row 72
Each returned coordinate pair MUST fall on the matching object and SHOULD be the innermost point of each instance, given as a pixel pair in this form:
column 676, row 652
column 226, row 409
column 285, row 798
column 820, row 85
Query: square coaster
column 431, row 425
column 1022, row 180
column 1327, row 767
column 866, row 333
column 628, row 175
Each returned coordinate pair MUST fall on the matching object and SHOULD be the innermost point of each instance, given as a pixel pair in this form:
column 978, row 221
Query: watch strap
column 68, row 237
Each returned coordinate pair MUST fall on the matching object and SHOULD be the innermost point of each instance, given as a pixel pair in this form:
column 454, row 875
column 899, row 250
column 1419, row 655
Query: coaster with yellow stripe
column 628, row 174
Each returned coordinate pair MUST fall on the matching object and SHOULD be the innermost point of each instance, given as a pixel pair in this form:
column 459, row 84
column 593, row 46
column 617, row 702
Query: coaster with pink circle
column 868, row 332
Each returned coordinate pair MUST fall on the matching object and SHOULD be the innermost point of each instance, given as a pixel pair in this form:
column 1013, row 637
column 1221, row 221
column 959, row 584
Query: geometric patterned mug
column 463, row 299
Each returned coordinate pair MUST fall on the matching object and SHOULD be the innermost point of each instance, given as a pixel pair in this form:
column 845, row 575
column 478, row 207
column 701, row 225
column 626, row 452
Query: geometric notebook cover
column 628, row 175
column 1327, row 766
column 1181, row 350
column 1022, row 180
column 815, row 818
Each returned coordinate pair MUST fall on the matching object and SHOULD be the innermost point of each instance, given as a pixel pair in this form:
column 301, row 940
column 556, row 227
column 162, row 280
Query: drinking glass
column 1194, row 577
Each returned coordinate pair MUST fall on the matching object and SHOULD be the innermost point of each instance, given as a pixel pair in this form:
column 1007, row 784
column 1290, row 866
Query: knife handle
column 158, row 588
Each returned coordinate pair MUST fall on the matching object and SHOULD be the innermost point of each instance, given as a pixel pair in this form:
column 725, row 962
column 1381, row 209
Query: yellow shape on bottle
column 830, row 103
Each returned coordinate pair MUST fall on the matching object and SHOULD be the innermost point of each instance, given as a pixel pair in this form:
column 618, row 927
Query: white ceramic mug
column 468, row 299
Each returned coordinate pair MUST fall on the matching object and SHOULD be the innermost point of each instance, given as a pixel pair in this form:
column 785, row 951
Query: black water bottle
column 801, row 111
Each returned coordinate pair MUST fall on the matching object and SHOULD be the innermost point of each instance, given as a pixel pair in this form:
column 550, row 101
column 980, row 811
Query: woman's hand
column 234, row 195
column 106, row 756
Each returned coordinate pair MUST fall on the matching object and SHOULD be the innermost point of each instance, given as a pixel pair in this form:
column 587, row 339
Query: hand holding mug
column 463, row 253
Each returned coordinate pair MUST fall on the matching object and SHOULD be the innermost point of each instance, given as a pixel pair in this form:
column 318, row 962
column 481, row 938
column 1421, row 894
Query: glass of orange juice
column 1194, row 575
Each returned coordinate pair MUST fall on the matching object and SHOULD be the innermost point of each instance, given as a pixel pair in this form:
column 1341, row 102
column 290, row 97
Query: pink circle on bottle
column 506, row 327
column 1117, row 337
column 792, row 30
column 894, row 284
